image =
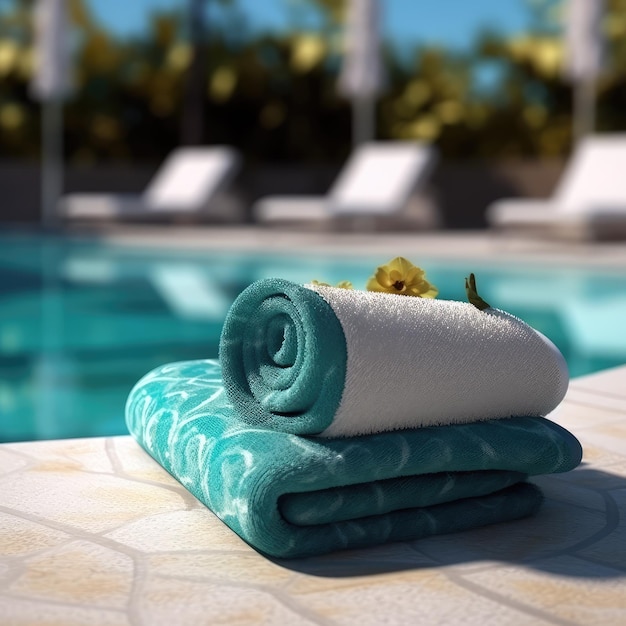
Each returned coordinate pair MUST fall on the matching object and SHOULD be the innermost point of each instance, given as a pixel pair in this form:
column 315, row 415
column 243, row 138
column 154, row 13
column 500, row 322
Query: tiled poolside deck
column 93, row 531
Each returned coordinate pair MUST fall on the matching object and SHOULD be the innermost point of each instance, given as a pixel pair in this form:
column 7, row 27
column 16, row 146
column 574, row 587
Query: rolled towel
column 292, row 496
column 336, row 362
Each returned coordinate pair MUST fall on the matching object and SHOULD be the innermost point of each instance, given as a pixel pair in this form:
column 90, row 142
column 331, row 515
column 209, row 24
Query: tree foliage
column 274, row 95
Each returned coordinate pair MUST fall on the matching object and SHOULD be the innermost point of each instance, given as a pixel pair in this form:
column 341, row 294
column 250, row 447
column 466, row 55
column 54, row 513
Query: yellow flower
column 401, row 277
column 319, row 283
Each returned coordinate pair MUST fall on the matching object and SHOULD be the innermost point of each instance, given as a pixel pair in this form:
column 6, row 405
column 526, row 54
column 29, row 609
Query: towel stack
column 339, row 419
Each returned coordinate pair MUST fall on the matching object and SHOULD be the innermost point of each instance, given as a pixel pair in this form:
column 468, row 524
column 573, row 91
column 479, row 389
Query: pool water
column 81, row 321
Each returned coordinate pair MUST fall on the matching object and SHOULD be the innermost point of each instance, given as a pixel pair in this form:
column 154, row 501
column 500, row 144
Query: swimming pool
column 82, row 321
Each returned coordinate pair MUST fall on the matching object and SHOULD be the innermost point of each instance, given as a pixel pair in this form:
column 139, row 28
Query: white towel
column 419, row 362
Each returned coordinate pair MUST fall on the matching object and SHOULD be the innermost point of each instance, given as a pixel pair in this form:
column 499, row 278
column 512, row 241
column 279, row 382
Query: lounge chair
column 378, row 180
column 184, row 185
column 589, row 202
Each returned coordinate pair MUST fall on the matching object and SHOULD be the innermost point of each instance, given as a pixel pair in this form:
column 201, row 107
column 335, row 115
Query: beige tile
column 568, row 588
column 21, row 612
column 554, row 529
column 90, row 502
column 609, row 546
column 593, row 400
column 611, row 437
column 178, row 531
column 167, row 601
column 11, row 461
column 570, row 489
column 576, row 415
column 66, row 455
column 20, row 537
column 7, row 572
column 234, row 567
column 617, row 469
column 610, row 382
column 80, row 572
column 392, row 557
column 132, row 461
column 592, row 478
column 597, row 457
column 414, row 597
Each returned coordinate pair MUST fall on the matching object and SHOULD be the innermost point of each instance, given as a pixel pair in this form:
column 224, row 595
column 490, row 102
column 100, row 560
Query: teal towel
column 292, row 496
column 283, row 354
column 315, row 360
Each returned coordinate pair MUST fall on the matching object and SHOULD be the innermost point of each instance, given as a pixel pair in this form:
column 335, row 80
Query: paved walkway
column 93, row 531
column 482, row 244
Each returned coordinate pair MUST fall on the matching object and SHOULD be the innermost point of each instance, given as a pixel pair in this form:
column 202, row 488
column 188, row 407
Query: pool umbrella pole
column 50, row 85
column 361, row 78
column 193, row 123
column 51, row 160
column 583, row 59
column 363, row 120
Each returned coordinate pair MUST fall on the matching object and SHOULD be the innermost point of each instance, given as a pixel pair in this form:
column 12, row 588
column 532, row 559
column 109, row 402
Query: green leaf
column 472, row 294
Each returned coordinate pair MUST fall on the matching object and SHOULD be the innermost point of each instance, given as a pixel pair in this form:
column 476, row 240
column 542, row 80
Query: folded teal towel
column 291, row 496
column 315, row 360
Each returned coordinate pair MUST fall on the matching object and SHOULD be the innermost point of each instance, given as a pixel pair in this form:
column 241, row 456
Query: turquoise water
column 81, row 322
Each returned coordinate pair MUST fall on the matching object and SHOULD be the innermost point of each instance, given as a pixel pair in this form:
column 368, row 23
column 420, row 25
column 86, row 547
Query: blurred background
column 485, row 81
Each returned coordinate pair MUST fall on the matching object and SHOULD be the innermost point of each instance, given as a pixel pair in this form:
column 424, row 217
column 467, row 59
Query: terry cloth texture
column 292, row 496
column 338, row 362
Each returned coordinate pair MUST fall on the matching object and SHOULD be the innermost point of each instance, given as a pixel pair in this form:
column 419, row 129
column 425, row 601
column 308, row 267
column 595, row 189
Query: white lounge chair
column 589, row 202
column 378, row 179
column 185, row 184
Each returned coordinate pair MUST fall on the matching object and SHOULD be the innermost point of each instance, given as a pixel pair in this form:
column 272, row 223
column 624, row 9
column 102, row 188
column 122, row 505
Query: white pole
column 363, row 119
column 50, row 84
column 361, row 78
column 583, row 59
column 584, row 108
column 51, row 161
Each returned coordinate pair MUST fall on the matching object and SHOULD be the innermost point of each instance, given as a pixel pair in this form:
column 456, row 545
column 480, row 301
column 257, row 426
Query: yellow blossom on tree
column 401, row 277
column 344, row 284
